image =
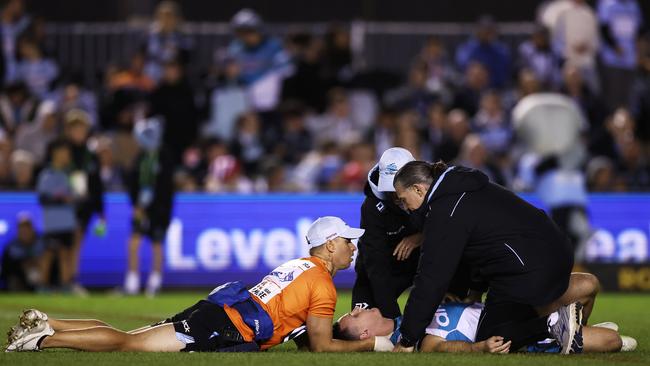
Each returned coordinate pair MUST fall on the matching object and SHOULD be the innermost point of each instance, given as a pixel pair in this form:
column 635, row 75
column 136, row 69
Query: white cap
column 328, row 228
column 391, row 161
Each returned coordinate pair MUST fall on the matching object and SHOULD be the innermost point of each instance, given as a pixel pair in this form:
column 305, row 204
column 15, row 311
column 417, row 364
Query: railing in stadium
column 89, row 48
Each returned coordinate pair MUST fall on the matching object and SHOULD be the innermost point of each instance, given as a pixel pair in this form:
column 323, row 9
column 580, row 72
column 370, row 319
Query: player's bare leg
column 132, row 280
column 105, row 339
column 154, row 282
column 68, row 324
column 601, row 340
column 583, row 288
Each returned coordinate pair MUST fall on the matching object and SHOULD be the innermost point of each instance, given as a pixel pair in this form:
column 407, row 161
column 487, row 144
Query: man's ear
column 420, row 189
column 330, row 246
column 365, row 334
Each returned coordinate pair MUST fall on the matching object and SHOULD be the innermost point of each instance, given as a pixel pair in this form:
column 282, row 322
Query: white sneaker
column 132, row 283
column 79, row 290
column 154, row 283
column 567, row 330
column 629, row 343
column 31, row 318
column 608, row 325
column 29, row 339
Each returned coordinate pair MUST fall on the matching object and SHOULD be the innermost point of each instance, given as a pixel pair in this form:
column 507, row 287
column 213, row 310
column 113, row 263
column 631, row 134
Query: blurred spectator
column 23, row 258
column 166, row 41
column 475, row 82
column 590, row 104
column 354, row 174
column 414, row 95
column 602, row 177
column 527, row 84
column 13, row 22
column 338, row 67
column 457, row 128
column 641, row 91
column 318, row 168
column 151, row 190
column 87, row 185
column 307, row 84
column 635, row 167
column 36, row 71
column 441, row 75
column 618, row 132
column 473, row 154
column 228, row 100
column 549, row 11
column 34, row 137
column 261, row 58
column 110, row 173
column 223, row 168
column 620, row 26
column 575, row 39
column 436, row 124
column 247, row 146
column 295, row 140
column 5, row 153
column 485, row 48
column 383, row 134
column 492, row 124
column 134, row 77
column 407, row 134
column 23, row 166
column 56, row 197
column 276, row 178
column 336, row 124
column 536, row 55
column 17, row 107
column 72, row 95
column 173, row 100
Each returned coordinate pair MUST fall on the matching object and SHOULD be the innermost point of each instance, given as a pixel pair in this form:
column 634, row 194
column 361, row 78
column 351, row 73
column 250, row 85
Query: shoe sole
column 29, row 322
column 576, row 343
column 575, row 317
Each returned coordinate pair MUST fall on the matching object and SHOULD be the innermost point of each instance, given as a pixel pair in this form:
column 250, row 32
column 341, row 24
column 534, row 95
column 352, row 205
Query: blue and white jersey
column 455, row 321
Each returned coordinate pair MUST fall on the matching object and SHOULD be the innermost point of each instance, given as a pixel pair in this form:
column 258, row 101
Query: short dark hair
column 419, row 172
column 338, row 333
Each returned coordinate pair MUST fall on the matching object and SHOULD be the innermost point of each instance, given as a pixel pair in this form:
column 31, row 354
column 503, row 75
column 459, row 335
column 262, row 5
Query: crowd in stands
column 294, row 114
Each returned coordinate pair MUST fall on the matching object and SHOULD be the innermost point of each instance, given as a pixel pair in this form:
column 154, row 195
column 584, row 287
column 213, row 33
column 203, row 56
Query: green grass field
column 132, row 312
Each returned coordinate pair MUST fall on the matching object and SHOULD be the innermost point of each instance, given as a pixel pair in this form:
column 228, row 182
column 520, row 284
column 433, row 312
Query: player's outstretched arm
column 432, row 343
column 320, row 338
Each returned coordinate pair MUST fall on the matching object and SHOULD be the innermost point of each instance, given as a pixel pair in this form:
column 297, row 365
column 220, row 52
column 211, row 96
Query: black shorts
column 205, row 327
column 60, row 239
column 151, row 229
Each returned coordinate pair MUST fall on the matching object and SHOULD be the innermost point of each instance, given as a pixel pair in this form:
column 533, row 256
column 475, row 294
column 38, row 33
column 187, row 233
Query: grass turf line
column 132, row 312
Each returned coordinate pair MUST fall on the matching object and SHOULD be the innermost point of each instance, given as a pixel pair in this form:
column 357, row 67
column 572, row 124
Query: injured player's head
column 363, row 323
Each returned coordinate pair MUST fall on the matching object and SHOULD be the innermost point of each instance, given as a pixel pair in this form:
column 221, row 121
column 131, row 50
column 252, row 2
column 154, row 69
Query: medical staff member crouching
column 389, row 249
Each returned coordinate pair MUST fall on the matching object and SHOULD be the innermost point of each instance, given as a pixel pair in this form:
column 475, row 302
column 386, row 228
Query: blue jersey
column 456, row 321
column 459, row 322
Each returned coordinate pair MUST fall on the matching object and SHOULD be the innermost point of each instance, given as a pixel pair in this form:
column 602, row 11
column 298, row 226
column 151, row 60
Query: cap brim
column 386, row 183
column 352, row 233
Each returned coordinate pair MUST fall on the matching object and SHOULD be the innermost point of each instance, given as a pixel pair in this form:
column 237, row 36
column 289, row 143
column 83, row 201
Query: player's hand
column 495, row 344
column 399, row 348
column 405, row 247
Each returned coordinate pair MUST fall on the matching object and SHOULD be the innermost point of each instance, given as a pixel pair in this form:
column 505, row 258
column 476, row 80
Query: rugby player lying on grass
column 298, row 293
column 454, row 326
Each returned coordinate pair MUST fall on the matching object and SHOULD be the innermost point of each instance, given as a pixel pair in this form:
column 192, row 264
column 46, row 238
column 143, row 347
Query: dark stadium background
column 298, row 10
